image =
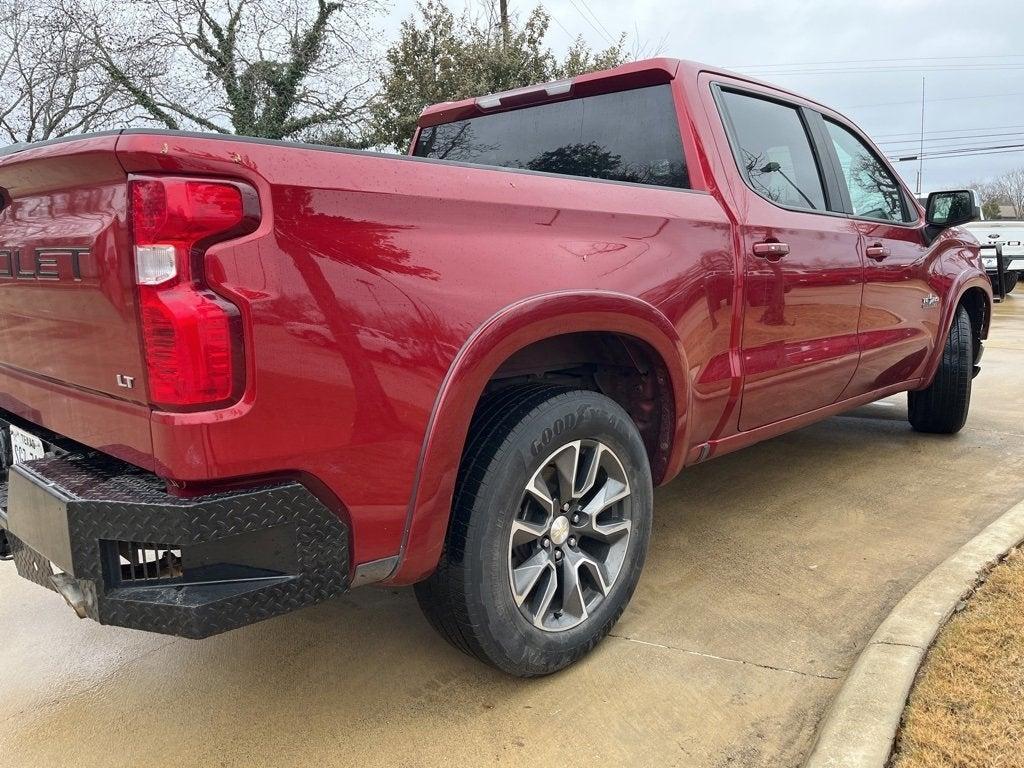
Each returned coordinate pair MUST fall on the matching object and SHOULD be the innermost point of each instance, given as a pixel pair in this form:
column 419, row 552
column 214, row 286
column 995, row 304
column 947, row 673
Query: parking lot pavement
column 768, row 571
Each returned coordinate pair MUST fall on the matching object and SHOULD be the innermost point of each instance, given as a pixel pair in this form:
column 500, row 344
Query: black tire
column 1010, row 281
column 469, row 598
column 942, row 407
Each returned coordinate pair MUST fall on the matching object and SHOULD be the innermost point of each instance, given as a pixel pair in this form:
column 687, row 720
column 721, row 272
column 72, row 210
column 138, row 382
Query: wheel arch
column 974, row 293
column 979, row 309
column 507, row 332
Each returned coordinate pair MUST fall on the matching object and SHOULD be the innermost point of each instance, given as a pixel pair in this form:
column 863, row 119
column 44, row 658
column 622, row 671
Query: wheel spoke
column 573, row 601
column 537, row 489
column 524, row 532
column 607, row 533
column 567, row 462
column 596, row 570
column 525, row 576
column 610, row 492
column 549, row 594
column 593, row 465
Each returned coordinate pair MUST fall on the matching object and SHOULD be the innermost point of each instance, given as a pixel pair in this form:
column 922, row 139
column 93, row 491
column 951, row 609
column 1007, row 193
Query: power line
column 608, row 34
column 889, row 70
column 947, row 130
column 940, row 143
column 562, row 26
column 944, row 139
column 940, row 151
column 942, row 98
column 979, row 153
column 969, row 148
column 569, row 34
column 875, row 61
column 587, row 19
column 961, row 152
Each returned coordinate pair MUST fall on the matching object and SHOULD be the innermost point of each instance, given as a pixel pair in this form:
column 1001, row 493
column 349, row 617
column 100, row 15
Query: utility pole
column 503, row 12
column 921, row 150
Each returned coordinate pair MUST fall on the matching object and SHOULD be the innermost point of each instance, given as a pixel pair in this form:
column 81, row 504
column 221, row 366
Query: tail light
column 192, row 336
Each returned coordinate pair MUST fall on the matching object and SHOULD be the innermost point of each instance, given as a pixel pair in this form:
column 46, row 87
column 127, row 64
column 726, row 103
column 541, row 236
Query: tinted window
column 773, row 151
column 627, row 136
column 874, row 192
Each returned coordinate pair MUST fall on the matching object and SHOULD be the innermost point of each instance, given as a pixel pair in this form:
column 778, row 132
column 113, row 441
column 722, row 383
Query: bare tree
column 296, row 69
column 990, row 197
column 885, row 198
column 51, row 84
column 1010, row 187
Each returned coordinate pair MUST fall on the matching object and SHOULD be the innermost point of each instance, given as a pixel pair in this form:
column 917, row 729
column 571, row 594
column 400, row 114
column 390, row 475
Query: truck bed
column 356, row 293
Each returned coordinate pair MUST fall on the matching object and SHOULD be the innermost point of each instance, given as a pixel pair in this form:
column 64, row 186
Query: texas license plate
column 25, row 446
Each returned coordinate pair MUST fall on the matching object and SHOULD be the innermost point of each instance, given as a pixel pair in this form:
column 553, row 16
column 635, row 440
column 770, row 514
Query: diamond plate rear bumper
column 245, row 555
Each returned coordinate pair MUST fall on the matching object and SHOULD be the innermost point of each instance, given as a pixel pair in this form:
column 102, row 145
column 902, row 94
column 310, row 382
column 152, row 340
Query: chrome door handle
column 771, row 250
column 877, row 252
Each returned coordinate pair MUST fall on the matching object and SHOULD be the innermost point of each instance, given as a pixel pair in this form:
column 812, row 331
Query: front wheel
column 549, row 530
column 942, row 407
column 1010, row 281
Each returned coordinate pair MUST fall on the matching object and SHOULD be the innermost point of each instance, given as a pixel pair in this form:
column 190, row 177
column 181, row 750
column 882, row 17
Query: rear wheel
column 549, row 530
column 942, row 407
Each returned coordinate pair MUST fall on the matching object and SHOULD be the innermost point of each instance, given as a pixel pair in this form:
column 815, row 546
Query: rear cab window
column 773, row 151
column 628, row 136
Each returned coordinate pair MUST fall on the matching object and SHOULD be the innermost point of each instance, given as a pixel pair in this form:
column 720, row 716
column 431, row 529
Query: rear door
column 802, row 264
column 67, row 301
column 899, row 321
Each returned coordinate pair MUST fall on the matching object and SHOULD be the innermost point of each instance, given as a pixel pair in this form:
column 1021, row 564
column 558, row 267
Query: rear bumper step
column 107, row 537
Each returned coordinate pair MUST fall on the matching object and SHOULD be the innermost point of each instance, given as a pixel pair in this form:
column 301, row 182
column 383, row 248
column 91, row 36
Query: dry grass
column 967, row 707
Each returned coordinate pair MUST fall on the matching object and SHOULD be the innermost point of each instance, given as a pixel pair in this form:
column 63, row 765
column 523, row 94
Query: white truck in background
column 1008, row 234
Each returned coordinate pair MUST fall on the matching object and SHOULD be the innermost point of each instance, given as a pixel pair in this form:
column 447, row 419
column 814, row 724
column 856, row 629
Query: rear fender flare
column 509, row 330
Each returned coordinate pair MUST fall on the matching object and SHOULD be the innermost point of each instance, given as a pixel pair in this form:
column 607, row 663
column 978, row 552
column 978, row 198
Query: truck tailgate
column 68, row 310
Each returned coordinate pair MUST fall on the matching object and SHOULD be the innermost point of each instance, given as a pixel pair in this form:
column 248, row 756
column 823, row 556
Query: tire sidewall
column 513, row 640
column 942, row 407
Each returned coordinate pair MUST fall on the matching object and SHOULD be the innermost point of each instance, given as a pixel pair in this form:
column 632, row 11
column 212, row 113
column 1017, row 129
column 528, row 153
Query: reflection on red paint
column 376, row 295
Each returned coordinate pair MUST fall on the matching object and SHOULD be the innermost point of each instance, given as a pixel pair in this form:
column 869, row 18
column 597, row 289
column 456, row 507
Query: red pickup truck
column 239, row 376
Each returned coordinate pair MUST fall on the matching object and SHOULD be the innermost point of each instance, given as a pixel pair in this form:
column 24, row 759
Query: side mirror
column 948, row 209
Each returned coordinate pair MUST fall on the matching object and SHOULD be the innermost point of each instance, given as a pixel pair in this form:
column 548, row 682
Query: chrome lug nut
column 558, row 554
column 546, row 542
column 575, row 519
column 572, row 541
column 565, row 507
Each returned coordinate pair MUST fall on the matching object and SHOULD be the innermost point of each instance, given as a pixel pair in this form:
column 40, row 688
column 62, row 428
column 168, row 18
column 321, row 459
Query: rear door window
column 874, row 191
column 773, row 151
column 630, row 136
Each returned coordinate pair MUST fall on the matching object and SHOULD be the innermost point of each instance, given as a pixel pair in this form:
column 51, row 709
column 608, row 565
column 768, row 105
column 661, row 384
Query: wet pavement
column 768, row 571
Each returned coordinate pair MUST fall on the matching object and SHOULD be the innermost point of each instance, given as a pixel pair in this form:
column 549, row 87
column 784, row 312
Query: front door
column 803, row 266
column 899, row 321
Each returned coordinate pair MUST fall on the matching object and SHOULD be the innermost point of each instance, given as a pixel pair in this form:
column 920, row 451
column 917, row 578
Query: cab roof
column 635, row 74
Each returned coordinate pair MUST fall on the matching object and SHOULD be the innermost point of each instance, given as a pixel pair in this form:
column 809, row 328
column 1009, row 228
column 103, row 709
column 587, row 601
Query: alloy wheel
column 569, row 539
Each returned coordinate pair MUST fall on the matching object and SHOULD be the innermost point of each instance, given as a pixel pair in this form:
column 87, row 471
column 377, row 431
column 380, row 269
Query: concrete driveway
column 769, row 569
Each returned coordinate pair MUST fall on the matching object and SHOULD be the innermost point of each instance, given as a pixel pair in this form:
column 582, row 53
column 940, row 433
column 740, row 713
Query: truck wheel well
column 624, row 368
column 974, row 302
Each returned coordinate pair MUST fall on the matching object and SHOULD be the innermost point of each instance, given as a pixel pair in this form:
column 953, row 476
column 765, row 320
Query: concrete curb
column 859, row 728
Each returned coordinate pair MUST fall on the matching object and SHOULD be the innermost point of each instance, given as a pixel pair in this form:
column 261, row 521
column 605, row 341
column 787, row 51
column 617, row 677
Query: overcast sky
column 968, row 51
